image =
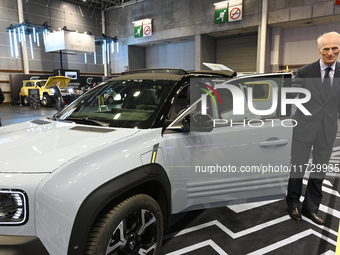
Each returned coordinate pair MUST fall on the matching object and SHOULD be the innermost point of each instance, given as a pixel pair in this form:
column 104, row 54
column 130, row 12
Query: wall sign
column 228, row 11
column 138, row 31
column 147, row 30
column 142, row 28
column 235, row 13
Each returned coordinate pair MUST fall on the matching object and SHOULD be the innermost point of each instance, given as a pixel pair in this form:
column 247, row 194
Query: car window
column 123, row 103
column 180, row 103
column 189, row 101
column 263, row 91
column 29, row 84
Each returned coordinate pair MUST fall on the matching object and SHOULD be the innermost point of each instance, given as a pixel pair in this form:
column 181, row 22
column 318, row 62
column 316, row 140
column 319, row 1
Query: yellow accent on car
column 153, row 156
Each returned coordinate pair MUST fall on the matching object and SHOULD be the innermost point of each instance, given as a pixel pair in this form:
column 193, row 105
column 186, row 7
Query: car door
column 244, row 158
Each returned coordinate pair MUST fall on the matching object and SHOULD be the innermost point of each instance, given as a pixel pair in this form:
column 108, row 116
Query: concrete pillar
column 23, row 47
column 275, row 55
column 205, row 51
column 263, row 36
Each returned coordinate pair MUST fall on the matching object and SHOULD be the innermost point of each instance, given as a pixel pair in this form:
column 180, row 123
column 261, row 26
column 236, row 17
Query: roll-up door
column 238, row 52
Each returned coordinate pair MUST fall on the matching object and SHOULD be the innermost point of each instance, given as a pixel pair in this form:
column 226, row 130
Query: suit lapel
column 316, row 74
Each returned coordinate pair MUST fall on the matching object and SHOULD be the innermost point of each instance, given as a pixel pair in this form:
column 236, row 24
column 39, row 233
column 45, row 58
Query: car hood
column 43, row 145
column 64, row 81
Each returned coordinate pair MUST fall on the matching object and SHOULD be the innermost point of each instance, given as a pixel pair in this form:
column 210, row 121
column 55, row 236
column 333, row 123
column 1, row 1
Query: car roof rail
column 157, row 70
column 215, row 72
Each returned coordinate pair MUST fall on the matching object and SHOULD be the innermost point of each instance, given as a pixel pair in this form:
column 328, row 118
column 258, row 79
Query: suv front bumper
column 20, row 245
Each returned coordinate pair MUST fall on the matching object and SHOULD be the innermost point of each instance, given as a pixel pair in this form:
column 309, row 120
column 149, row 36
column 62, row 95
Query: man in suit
column 315, row 132
column 57, row 95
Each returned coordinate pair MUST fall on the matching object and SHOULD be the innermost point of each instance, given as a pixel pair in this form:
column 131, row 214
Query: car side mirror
column 197, row 122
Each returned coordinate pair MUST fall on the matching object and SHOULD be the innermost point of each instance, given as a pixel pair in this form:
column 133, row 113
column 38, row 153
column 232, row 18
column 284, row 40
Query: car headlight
column 13, row 207
column 52, row 91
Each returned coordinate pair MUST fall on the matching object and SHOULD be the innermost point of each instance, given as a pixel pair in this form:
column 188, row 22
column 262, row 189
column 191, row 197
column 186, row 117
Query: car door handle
column 273, row 142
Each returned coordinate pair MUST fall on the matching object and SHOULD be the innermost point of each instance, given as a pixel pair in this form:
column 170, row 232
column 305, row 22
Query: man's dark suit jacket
column 57, row 92
column 322, row 109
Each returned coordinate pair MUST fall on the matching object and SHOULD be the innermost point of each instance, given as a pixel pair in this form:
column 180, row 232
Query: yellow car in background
column 46, row 89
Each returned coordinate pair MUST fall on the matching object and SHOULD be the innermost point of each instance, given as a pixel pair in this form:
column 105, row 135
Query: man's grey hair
column 325, row 35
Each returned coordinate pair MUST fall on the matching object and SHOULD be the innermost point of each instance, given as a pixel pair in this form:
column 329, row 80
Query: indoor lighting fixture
column 225, row 3
column 31, row 46
column 17, row 33
column 15, row 44
column 105, row 42
column 38, row 43
column 108, row 53
column 10, row 41
column 103, row 53
column 143, row 21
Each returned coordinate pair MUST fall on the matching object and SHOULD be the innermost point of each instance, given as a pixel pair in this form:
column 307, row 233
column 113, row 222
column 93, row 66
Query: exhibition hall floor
column 257, row 228
column 11, row 114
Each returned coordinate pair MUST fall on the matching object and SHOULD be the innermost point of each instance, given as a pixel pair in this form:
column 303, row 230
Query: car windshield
column 119, row 103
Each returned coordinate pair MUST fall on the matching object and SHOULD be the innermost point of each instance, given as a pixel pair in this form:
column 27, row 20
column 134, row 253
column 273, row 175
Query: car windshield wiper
column 88, row 120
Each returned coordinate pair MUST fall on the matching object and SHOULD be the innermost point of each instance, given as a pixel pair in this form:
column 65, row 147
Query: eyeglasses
column 334, row 49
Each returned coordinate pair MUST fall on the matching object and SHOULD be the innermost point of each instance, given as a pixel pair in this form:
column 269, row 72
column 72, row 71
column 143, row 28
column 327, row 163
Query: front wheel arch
column 149, row 179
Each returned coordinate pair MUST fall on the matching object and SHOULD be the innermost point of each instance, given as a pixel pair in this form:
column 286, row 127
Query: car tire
column 24, row 100
column 134, row 226
column 46, row 101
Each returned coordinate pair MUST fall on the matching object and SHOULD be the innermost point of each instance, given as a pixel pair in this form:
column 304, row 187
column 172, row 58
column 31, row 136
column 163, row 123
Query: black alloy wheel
column 135, row 226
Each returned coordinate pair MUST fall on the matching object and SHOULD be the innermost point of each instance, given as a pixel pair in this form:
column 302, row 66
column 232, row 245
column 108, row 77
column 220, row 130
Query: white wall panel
column 299, row 46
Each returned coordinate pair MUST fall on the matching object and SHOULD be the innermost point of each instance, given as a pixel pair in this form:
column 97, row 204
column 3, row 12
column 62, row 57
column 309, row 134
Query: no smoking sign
column 235, row 13
column 147, row 30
